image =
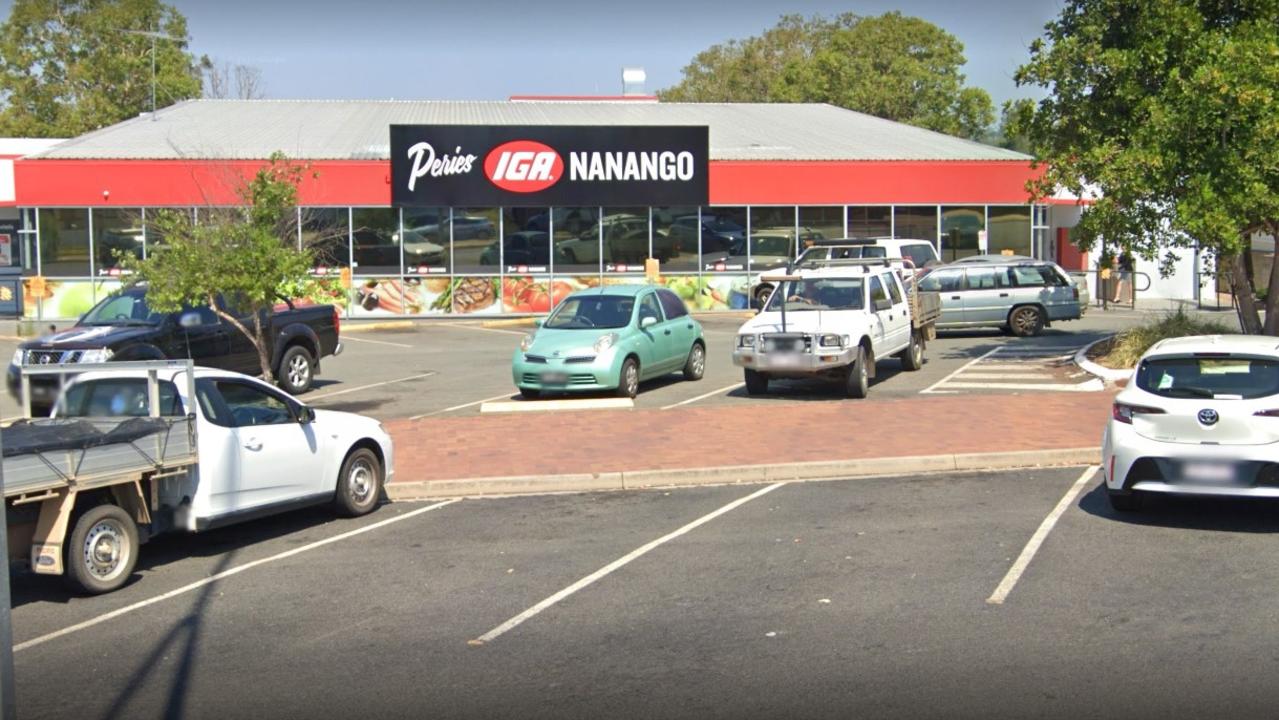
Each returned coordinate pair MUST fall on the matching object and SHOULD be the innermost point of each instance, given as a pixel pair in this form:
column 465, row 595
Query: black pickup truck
column 123, row 327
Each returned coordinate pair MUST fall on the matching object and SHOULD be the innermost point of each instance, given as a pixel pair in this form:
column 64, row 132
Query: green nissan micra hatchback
column 610, row 338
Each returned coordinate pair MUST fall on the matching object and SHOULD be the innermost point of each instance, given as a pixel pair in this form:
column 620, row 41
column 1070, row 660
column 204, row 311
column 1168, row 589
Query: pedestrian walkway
column 507, row 445
column 1019, row 368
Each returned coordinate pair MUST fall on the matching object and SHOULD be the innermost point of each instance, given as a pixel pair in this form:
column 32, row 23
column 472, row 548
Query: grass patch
column 1126, row 348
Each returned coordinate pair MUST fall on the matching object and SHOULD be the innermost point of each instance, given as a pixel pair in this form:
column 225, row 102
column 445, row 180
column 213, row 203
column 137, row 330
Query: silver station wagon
column 1022, row 297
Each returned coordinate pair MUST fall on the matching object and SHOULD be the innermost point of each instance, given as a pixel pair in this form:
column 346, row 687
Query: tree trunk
column 1272, row 290
column 255, row 336
column 260, row 341
column 1245, row 295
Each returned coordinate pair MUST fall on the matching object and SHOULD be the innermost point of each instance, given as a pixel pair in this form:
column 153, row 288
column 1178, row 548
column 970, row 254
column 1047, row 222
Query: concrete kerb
column 740, row 474
column 1110, row 375
column 356, row 326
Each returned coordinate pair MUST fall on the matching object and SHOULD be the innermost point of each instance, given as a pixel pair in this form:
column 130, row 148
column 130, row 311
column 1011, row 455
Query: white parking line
column 967, row 365
column 346, row 338
column 518, row 619
column 1028, row 553
column 703, row 396
column 325, row 396
column 459, row 326
column 224, row 574
column 503, row 396
column 1094, row 385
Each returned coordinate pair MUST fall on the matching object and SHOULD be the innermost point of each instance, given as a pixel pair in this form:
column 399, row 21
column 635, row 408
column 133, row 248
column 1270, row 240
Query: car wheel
column 1125, row 501
column 628, row 379
column 756, row 382
column 913, row 356
column 530, row 393
column 761, row 295
column 360, row 484
column 102, row 550
column 1026, row 321
column 296, row 371
column 695, row 365
column 857, row 382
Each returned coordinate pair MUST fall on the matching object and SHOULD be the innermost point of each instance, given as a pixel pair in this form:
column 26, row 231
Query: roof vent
column 633, row 80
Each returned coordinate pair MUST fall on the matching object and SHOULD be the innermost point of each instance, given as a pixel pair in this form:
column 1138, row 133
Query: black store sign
column 472, row 165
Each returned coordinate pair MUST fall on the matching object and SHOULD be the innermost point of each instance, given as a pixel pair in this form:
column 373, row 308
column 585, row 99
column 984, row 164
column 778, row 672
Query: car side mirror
column 882, row 305
column 647, row 321
column 189, row 320
column 306, row 415
column 537, row 322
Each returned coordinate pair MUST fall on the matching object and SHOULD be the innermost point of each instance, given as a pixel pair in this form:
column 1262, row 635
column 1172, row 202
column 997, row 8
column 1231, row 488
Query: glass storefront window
column 625, row 239
column 64, row 242
column 915, row 223
column 1009, row 229
column 526, row 245
column 375, row 238
column 724, row 239
column 326, row 233
column 868, row 222
column 116, row 232
column 576, row 233
column 961, row 229
column 820, row 223
column 773, row 237
column 675, row 238
column 476, row 246
column 426, row 241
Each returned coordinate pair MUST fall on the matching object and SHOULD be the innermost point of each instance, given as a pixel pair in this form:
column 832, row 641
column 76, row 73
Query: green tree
column 1009, row 135
column 248, row 254
column 892, row 66
column 1168, row 107
column 71, row 66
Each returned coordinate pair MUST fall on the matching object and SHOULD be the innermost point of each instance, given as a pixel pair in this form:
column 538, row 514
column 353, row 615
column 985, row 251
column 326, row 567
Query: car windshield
column 1223, row 378
column 819, row 294
column 588, row 312
column 128, row 308
column 771, row 245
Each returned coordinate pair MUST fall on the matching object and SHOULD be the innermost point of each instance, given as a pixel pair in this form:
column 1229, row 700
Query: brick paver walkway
column 759, row 433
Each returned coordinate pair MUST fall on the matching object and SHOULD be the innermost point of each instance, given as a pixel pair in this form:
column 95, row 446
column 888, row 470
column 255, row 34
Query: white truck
column 135, row 449
column 835, row 319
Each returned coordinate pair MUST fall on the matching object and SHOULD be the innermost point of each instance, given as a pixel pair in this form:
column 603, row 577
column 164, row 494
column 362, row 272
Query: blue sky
column 475, row 49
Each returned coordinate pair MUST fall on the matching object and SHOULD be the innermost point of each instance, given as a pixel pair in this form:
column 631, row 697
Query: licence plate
column 1208, row 472
column 786, row 360
column 554, row 378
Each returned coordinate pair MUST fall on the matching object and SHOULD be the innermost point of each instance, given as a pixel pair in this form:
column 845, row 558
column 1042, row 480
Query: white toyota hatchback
column 1200, row 416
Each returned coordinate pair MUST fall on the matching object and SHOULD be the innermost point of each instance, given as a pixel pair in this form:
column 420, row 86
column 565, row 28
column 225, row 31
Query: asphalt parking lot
column 453, row 368
column 829, row 599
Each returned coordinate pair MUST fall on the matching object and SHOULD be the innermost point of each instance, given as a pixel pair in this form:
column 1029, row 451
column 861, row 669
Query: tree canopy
column 246, row 253
column 71, row 66
column 892, row 66
column 1169, row 108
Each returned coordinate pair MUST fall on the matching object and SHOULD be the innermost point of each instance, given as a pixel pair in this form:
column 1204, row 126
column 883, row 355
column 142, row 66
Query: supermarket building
column 718, row 191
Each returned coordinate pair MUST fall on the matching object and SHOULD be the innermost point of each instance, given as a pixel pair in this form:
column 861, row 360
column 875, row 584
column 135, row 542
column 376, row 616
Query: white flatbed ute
column 137, row 449
column 835, row 319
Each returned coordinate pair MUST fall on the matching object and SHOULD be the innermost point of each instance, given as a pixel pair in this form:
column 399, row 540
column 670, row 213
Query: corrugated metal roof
column 358, row 129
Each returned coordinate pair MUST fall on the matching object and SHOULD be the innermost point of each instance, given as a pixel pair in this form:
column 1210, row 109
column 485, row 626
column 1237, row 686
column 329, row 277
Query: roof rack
column 815, row 263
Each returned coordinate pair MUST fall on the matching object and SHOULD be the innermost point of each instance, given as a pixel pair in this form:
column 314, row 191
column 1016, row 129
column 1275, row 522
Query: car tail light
column 1267, row 413
column 1076, row 289
column 1111, row 474
column 337, row 322
column 1123, row 412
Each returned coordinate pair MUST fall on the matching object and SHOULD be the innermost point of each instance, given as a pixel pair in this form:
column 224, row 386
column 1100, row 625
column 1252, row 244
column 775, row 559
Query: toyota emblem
column 44, row 359
column 1208, row 416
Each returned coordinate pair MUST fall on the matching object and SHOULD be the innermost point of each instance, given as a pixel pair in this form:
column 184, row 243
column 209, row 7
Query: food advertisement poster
column 382, row 297
column 61, row 299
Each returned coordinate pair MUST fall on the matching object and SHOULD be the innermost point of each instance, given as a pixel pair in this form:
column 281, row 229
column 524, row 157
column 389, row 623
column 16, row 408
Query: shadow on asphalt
column 815, row 390
column 1184, row 512
column 28, row 587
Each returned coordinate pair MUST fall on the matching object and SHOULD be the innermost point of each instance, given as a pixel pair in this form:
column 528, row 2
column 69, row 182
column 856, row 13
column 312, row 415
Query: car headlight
column 832, row 341
column 746, row 341
column 100, row 355
column 19, row 356
column 605, row 342
column 526, row 342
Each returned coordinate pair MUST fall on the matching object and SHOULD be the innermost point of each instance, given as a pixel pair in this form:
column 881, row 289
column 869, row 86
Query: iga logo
column 523, row 166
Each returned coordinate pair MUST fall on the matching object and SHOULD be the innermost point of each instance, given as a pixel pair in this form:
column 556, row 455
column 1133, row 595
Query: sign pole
column 8, row 704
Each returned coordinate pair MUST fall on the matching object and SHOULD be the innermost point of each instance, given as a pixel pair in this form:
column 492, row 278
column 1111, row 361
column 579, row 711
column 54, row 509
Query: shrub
column 1126, row 348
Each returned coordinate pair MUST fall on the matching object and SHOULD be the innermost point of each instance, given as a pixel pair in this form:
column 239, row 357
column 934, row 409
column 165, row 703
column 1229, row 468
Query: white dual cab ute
column 135, row 449
column 835, row 319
